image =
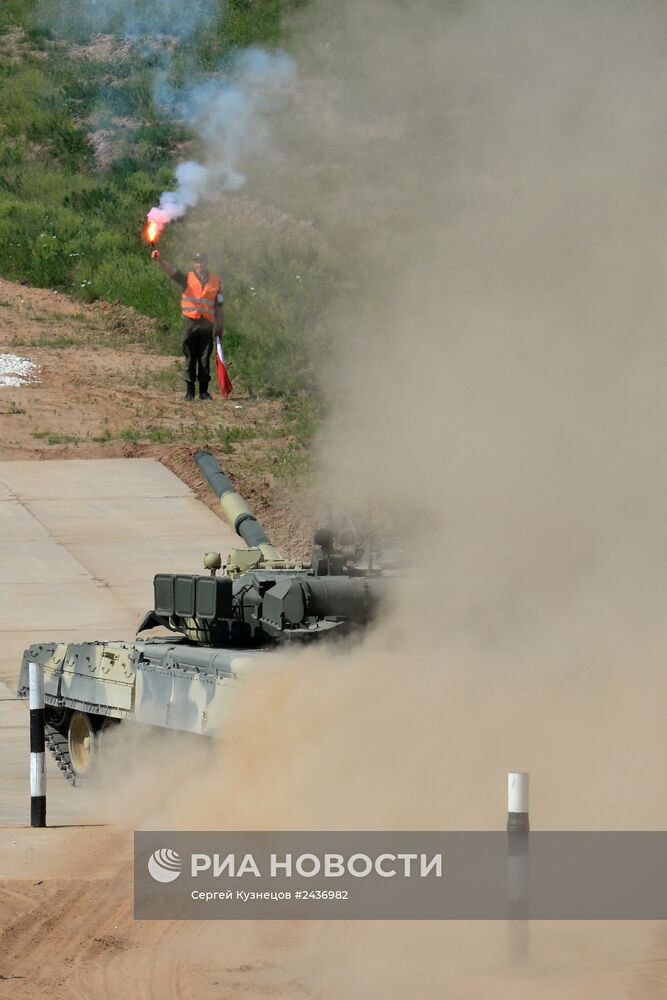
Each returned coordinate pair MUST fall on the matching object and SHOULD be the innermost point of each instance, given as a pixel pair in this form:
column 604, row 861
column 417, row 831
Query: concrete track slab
column 65, row 479
column 80, row 542
column 118, row 564
column 39, row 561
column 60, row 607
column 18, row 524
column 100, row 518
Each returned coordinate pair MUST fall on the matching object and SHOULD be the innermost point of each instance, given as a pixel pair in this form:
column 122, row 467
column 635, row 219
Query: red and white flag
column 224, row 380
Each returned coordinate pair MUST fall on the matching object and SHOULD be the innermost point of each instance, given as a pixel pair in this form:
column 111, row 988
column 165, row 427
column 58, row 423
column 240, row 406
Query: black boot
column 189, row 390
column 203, row 391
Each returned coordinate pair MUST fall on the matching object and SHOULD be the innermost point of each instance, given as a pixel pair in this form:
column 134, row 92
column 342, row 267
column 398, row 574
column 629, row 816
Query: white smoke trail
column 191, row 179
column 228, row 111
column 230, row 115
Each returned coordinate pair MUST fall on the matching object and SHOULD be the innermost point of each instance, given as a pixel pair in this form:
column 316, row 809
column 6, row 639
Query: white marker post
column 518, row 865
column 517, row 802
column 37, row 765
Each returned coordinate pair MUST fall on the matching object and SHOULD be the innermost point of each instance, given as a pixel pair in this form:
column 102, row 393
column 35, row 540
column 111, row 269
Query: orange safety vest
column 197, row 300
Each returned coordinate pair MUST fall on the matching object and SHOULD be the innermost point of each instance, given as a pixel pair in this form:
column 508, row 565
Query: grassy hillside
column 85, row 152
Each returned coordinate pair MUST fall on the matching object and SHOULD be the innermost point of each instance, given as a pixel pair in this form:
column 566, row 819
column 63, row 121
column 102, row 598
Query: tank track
column 59, row 747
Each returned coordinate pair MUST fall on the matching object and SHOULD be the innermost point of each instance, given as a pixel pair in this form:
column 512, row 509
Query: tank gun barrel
column 235, row 508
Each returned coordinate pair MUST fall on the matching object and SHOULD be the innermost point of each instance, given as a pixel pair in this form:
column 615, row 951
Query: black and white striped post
column 37, row 764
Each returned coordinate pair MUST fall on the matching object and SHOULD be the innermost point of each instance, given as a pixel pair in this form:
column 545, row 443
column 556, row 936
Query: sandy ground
column 66, row 930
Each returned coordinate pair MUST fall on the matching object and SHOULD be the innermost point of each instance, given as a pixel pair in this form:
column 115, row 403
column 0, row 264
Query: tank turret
column 262, row 597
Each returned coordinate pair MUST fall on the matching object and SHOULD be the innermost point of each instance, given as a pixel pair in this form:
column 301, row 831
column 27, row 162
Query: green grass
column 69, row 224
column 229, row 436
column 52, row 438
column 246, row 22
column 167, row 379
column 59, row 341
column 290, row 463
column 156, row 435
column 303, row 414
column 12, row 13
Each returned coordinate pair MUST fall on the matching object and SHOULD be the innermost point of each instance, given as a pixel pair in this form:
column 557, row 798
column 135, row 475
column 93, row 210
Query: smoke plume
column 230, row 115
column 227, row 111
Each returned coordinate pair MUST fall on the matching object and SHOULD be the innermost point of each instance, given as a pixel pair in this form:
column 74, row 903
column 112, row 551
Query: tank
column 218, row 624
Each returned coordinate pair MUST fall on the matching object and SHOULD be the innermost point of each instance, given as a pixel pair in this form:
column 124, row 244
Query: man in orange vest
column 201, row 305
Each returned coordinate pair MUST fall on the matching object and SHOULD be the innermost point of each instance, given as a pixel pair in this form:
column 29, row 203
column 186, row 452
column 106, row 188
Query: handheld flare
column 152, row 231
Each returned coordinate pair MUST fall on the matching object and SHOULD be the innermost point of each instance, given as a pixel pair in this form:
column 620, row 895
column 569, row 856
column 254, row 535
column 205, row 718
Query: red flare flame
column 152, row 232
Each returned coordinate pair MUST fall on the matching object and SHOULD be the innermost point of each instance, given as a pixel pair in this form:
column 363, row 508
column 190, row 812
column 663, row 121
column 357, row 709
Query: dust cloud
column 495, row 175
column 498, row 377
column 230, row 115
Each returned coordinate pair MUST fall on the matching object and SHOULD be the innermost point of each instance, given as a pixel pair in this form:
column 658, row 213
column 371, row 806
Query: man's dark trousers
column 197, row 348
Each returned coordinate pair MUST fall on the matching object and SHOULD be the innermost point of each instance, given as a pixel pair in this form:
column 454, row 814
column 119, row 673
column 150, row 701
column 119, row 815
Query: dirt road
column 66, row 930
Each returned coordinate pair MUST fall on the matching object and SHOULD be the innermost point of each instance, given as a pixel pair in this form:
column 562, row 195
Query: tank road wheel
column 82, row 743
